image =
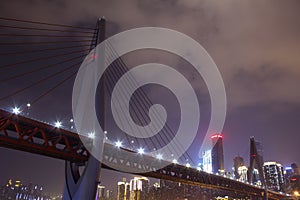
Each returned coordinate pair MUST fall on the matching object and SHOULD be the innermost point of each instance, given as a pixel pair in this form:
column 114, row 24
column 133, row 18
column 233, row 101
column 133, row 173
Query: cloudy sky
column 255, row 45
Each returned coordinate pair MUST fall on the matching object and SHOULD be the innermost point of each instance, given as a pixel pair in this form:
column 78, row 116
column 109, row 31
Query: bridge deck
column 25, row 134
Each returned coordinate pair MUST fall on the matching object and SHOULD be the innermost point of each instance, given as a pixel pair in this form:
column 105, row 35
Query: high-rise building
column 217, row 155
column 274, row 177
column 101, row 192
column 242, row 173
column 206, row 161
column 237, row 162
column 292, row 178
column 123, row 190
column 255, row 171
column 139, row 188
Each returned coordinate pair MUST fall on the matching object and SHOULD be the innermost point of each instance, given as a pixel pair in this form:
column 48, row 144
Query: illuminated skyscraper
column 274, row 177
column 242, row 173
column 123, row 190
column 237, row 162
column 206, row 161
column 292, row 178
column 101, row 192
column 255, row 171
column 139, row 188
column 217, row 155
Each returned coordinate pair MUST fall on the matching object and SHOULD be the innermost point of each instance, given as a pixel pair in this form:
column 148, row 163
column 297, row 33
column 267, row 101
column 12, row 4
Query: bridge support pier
column 79, row 187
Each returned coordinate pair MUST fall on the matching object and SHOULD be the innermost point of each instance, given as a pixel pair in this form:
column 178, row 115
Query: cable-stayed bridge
column 21, row 133
column 59, row 57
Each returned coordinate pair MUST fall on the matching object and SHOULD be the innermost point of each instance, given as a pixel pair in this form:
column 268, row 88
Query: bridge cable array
column 47, row 46
column 142, row 103
column 33, row 43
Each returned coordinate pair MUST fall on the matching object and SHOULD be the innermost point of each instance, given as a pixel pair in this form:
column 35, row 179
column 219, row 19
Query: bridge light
column 58, row 124
column 118, row 144
column 199, row 168
column 174, row 161
column 91, row 135
column 159, row 156
column 188, row 165
column 141, row 151
column 16, row 110
column 71, row 120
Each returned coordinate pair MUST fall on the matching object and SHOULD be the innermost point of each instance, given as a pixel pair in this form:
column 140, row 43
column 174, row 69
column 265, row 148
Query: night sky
column 255, row 45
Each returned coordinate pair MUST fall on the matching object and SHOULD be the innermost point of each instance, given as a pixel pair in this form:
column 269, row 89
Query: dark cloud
column 255, row 44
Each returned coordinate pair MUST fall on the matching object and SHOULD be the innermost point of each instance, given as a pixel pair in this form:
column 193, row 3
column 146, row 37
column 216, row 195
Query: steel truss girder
column 21, row 133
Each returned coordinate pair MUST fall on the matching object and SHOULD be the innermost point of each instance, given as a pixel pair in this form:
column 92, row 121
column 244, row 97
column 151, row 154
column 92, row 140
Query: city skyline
column 255, row 53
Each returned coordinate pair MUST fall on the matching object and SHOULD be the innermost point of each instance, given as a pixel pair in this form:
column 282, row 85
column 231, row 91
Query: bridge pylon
column 78, row 187
column 84, row 186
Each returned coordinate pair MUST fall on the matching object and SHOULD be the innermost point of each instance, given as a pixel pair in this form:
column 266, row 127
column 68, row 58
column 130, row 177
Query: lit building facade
column 292, row 178
column 274, row 176
column 15, row 189
column 242, row 173
column 217, row 155
column 139, row 188
column 206, row 161
column 101, row 192
column 237, row 162
column 123, row 190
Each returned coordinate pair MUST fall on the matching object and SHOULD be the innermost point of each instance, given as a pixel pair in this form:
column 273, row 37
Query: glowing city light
column 174, row 161
column 28, row 105
column 141, row 151
column 159, row 156
column 71, row 120
column 188, row 165
column 58, row 124
column 217, row 136
column 16, row 110
column 118, row 144
column 91, row 135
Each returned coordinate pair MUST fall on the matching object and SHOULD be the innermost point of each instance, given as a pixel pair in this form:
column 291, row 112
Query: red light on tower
column 293, row 179
column 216, row 136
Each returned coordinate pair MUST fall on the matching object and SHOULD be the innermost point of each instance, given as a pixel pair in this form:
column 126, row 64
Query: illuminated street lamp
column 91, row 135
column 118, row 144
column 58, row 124
column 141, row 151
column 159, row 156
column 16, row 110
